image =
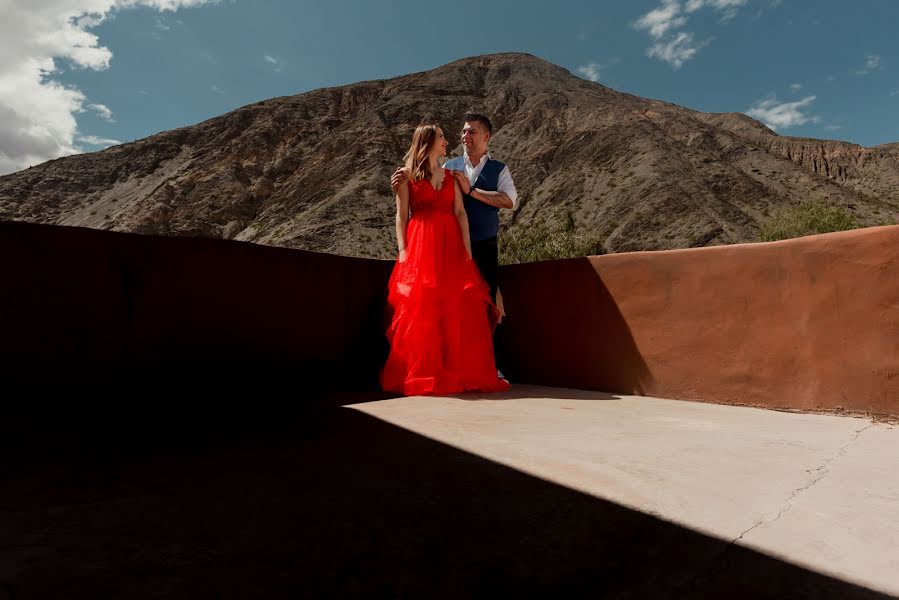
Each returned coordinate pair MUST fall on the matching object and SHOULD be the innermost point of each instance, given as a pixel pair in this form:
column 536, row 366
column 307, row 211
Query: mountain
column 312, row 170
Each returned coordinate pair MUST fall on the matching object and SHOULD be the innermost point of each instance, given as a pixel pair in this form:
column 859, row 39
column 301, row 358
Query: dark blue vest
column 483, row 219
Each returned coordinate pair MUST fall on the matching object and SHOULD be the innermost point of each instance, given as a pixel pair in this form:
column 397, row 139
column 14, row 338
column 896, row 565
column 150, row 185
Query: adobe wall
column 810, row 323
column 84, row 308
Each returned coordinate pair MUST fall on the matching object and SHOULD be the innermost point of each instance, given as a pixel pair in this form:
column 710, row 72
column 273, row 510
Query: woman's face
column 440, row 144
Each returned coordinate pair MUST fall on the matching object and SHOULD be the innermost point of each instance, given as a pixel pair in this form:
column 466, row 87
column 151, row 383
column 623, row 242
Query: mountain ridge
column 312, row 170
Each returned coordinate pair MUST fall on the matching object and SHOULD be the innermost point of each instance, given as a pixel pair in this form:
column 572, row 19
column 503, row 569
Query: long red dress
column 442, row 316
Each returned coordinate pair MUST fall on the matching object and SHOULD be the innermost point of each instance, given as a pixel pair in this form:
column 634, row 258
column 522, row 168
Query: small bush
column 809, row 218
column 538, row 242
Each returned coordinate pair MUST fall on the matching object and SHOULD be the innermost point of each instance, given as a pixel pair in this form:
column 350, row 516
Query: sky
column 81, row 75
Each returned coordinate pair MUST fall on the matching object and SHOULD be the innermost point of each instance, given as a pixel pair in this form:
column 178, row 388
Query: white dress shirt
column 505, row 184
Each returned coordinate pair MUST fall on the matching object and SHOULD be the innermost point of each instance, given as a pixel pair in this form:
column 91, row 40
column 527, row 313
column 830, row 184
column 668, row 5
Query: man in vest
column 487, row 186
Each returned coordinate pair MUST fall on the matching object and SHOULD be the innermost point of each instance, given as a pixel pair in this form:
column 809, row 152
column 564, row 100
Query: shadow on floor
column 282, row 499
column 522, row 391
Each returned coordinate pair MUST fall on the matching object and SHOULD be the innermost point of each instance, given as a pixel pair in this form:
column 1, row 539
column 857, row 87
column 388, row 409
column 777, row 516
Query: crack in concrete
column 722, row 557
column 822, row 473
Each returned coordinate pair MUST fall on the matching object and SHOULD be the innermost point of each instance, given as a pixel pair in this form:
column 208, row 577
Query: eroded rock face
column 312, row 171
column 869, row 171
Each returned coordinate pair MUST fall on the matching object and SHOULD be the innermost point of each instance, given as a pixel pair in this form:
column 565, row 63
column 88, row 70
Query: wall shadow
column 564, row 329
column 270, row 504
column 120, row 316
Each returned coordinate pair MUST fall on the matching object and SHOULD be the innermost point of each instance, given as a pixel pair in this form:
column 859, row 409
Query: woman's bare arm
column 402, row 218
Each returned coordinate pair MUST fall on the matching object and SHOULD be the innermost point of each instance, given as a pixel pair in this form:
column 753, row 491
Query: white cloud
column 782, row 115
column 662, row 19
column 728, row 8
column 677, row 50
column 723, row 5
column 795, row 87
column 665, row 23
column 102, row 111
column 274, row 62
column 593, row 70
column 833, row 127
column 93, row 140
column 872, row 63
column 590, row 71
column 217, row 89
column 894, row 93
column 37, row 114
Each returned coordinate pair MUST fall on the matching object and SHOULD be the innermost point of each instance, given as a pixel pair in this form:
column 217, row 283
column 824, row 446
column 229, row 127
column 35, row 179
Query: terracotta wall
column 91, row 310
column 806, row 323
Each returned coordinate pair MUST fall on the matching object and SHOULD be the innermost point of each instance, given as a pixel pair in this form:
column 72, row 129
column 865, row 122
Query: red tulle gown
column 442, row 316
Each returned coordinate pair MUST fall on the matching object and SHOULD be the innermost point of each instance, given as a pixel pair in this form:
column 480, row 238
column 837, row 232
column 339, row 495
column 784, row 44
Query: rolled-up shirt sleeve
column 507, row 186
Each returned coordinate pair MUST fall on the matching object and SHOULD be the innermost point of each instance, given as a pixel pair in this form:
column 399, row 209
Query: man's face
column 474, row 138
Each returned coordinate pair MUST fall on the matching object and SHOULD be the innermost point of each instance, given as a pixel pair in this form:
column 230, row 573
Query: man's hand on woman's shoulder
column 399, row 176
column 462, row 180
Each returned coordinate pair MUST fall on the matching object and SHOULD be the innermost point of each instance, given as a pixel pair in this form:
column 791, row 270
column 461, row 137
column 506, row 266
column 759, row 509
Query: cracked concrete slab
column 846, row 523
column 820, row 491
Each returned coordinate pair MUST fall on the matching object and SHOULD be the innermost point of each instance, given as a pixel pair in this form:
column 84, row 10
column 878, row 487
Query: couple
column 443, row 288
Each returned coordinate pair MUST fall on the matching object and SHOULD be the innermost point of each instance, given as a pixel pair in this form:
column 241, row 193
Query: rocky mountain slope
column 311, row 171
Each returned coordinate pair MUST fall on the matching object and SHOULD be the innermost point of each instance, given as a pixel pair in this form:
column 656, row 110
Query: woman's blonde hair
column 416, row 158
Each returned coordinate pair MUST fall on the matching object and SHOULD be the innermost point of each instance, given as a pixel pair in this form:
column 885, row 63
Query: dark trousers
column 486, row 256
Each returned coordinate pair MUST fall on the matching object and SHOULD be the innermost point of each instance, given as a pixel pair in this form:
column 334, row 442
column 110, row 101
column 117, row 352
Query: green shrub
column 538, row 242
column 809, row 218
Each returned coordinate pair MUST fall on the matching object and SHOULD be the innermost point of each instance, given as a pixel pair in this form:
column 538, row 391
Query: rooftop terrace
column 196, row 418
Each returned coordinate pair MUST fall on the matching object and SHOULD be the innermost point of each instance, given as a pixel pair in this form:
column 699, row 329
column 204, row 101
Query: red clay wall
column 81, row 307
column 807, row 323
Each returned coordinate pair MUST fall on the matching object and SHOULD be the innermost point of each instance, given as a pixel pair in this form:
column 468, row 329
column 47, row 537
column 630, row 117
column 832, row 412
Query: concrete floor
column 818, row 491
column 532, row 494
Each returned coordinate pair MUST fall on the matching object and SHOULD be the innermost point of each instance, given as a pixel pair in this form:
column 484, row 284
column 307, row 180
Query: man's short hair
column 478, row 118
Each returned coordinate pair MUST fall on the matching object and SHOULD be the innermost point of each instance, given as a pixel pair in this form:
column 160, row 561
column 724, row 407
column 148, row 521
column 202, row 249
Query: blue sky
column 822, row 69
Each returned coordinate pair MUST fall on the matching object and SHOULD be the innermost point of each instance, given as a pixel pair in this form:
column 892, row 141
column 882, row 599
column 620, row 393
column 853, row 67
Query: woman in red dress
column 442, row 316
